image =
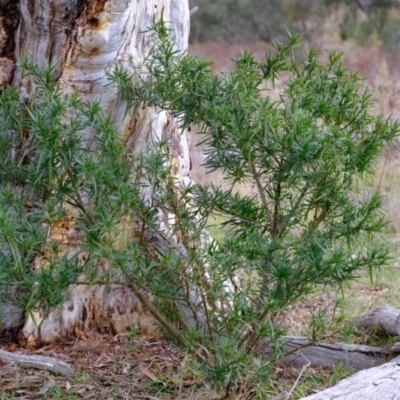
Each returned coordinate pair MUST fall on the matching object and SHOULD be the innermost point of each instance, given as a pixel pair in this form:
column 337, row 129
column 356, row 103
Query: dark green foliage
column 50, row 170
column 305, row 154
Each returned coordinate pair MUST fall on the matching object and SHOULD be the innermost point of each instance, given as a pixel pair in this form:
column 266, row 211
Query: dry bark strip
column 357, row 357
column 37, row 362
column 379, row 383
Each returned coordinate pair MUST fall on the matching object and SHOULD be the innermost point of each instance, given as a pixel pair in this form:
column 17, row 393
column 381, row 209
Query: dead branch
column 384, row 319
column 37, row 362
column 299, row 351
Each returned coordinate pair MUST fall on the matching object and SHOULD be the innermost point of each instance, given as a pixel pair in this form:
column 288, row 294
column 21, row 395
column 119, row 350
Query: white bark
column 87, row 39
column 381, row 383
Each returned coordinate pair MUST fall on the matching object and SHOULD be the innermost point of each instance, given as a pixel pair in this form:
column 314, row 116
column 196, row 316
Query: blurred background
column 366, row 31
column 360, row 20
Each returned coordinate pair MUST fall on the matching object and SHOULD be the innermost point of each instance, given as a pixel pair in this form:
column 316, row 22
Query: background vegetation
column 230, row 20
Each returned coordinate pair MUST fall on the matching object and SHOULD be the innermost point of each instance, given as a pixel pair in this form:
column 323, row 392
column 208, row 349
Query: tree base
column 109, row 309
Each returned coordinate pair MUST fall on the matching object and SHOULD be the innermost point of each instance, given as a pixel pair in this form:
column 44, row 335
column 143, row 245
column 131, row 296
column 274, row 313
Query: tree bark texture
column 385, row 319
column 381, row 383
column 86, row 39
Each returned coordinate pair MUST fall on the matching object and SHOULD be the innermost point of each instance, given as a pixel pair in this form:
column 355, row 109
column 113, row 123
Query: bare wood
column 193, row 10
column 282, row 396
column 37, row 362
column 300, row 353
column 381, row 383
column 384, row 319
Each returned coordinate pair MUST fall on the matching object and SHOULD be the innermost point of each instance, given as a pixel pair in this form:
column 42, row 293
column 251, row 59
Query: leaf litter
column 108, row 367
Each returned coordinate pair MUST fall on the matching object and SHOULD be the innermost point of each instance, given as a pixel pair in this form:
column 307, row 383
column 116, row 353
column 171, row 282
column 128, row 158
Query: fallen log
column 37, row 362
column 299, row 351
column 384, row 319
column 382, row 382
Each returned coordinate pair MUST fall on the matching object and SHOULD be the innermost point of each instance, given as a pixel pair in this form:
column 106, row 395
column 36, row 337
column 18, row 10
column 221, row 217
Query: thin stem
column 283, row 225
column 263, row 198
column 276, row 207
column 207, row 313
column 157, row 315
column 142, row 232
column 77, row 202
column 236, row 216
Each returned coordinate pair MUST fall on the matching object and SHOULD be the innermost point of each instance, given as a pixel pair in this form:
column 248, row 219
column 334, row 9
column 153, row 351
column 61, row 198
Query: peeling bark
column 87, row 39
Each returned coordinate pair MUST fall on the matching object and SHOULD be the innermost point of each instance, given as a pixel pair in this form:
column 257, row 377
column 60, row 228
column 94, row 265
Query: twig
column 193, row 10
column 383, row 172
column 262, row 195
column 281, row 396
column 183, row 368
column 286, row 395
column 303, row 346
column 157, row 315
column 299, row 377
column 283, row 225
column 364, row 9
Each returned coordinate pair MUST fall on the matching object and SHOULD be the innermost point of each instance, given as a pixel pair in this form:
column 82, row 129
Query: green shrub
column 304, row 153
column 306, row 225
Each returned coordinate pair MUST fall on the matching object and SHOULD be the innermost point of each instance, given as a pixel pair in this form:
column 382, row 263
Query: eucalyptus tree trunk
column 87, row 39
